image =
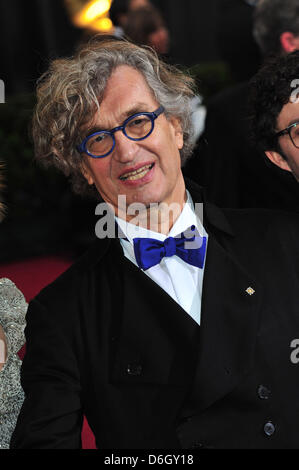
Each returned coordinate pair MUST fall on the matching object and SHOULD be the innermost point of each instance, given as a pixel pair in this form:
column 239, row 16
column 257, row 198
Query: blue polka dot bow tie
column 189, row 246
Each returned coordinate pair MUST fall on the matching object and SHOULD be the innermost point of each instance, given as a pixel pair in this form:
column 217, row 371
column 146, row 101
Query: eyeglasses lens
column 100, row 144
column 139, row 126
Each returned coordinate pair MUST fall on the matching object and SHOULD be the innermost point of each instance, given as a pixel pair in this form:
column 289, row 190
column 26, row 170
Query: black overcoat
column 104, row 340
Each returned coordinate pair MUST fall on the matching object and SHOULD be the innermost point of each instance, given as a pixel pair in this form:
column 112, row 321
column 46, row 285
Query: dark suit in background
column 107, row 341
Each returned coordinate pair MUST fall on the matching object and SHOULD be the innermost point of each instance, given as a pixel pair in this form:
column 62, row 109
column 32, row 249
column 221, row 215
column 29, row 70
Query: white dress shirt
column 182, row 281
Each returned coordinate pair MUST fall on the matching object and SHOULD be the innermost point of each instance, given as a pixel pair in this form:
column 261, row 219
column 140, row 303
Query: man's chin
column 145, row 197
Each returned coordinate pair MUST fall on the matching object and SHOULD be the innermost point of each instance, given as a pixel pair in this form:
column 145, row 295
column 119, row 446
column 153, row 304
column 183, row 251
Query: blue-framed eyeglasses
column 136, row 127
column 293, row 131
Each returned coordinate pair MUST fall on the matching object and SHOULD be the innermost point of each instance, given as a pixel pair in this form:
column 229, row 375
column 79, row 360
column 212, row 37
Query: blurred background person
column 145, row 26
column 276, row 26
column 135, row 4
column 119, row 12
column 234, row 172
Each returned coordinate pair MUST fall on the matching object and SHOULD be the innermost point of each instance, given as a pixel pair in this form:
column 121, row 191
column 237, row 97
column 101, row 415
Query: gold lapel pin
column 250, row 290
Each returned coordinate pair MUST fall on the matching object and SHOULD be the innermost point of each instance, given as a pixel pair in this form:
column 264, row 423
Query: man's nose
column 125, row 149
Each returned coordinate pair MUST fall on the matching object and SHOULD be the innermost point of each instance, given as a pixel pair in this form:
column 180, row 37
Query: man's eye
column 138, row 122
column 99, row 138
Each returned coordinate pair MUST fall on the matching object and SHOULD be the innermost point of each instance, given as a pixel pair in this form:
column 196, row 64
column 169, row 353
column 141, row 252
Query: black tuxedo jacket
column 104, row 340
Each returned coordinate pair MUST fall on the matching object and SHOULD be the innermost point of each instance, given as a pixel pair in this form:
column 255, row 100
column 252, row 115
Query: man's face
column 288, row 115
column 127, row 93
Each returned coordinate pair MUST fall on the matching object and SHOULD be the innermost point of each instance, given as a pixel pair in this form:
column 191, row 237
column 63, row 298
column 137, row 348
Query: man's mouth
column 137, row 174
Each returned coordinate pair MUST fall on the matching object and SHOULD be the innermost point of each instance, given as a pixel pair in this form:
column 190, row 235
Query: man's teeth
column 137, row 174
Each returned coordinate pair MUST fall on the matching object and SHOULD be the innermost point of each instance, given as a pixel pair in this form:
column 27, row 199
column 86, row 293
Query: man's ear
column 289, row 42
column 178, row 132
column 278, row 160
column 87, row 173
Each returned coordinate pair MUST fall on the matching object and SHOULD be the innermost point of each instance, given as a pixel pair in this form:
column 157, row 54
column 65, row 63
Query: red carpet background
column 30, row 276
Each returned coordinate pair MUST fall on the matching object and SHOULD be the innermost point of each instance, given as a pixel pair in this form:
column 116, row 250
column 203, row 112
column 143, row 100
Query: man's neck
column 157, row 217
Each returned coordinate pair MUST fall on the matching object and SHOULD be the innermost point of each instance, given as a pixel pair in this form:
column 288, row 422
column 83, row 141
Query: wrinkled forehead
column 127, row 80
column 126, row 93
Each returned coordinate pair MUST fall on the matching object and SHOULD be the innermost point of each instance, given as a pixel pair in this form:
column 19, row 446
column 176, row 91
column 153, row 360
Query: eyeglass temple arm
column 159, row 111
column 287, row 130
column 283, row 132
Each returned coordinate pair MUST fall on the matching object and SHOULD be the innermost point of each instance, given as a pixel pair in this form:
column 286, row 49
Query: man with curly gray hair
column 70, row 98
column 160, row 338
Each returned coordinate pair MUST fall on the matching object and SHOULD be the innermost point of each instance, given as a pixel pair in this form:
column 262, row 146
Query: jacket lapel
column 229, row 316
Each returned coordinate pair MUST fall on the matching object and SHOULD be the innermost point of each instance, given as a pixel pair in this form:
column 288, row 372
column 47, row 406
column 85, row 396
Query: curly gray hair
column 69, row 94
column 271, row 19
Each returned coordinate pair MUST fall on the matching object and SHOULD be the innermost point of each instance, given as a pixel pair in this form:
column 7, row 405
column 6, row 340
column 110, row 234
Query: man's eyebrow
column 93, row 130
column 137, row 108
